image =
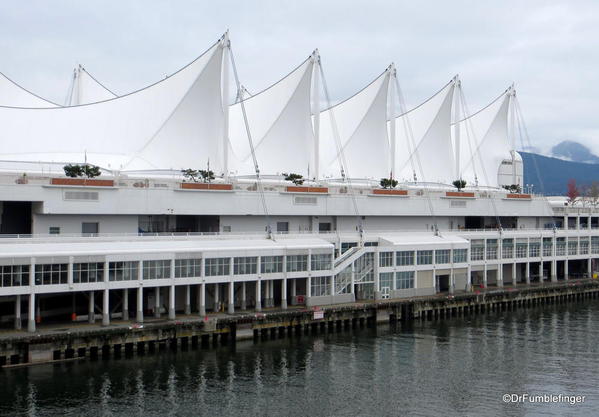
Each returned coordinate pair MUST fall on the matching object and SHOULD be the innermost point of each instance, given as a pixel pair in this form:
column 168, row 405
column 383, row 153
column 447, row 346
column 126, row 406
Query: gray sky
column 549, row 49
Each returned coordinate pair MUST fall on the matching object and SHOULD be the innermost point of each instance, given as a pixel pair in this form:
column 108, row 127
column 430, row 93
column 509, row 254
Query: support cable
column 253, row 151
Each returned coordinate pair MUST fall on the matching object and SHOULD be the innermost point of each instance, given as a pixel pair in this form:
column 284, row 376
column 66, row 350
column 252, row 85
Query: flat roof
column 421, row 239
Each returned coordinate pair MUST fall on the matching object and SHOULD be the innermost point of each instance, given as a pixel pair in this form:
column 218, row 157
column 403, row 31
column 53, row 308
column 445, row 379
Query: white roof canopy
column 12, row 94
column 175, row 123
column 86, row 89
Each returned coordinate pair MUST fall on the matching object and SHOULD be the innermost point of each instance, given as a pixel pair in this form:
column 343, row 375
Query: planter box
column 459, row 194
column 85, row 182
column 520, row 196
column 206, row 186
column 379, row 191
column 301, row 189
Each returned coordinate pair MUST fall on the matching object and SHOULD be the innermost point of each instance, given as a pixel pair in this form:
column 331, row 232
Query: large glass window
column 560, row 246
column 521, row 249
column 217, row 266
column 123, row 271
column 534, row 249
column 14, row 275
column 245, row 265
column 321, row 262
column 271, row 264
column 49, row 274
column 491, row 248
column 296, row 263
column 88, row 272
column 158, row 269
column 442, row 256
column 595, row 244
column 320, row 286
column 507, row 248
column 404, row 280
column 386, row 280
column 572, row 246
column 460, row 256
column 425, row 257
column 547, row 246
column 405, row 258
column 188, row 268
column 385, row 259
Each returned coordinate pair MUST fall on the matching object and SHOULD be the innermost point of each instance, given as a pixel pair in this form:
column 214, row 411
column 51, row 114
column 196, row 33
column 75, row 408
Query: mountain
column 555, row 173
column 575, row 152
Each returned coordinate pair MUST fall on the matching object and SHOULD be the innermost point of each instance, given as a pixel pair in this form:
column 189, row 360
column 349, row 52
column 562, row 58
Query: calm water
column 458, row 366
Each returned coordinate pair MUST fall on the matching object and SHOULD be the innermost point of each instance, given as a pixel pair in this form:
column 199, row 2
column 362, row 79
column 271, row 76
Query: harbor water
column 457, row 366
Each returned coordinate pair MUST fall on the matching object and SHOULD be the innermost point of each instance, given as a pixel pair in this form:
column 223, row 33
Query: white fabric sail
column 361, row 124
column 280, row 123
column 485, row 143
column 12, row 94
column 423, row 137
column 173, row 124
column 86, row 89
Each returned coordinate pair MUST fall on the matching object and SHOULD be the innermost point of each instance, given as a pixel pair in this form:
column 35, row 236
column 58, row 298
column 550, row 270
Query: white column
column 451, row 281
column 18, row 312
column 70, row 272
column 243, row 297
column 566, row 222
column 578, row 222
column 91, row 308
column 258, row 295
column 171, row 302
column 125, row 304
column 157, row 302
column 566, row 269
column 140, row 305
column 589, row 268
column 468, row 278
column 272, row 293
column 500, row 275
column 106, row 307
column 500, row 262
column 514, row 274
column 216, row 298
column 308, row 288
column 267, row 293
column 284, row 293
column 202, row 303
column 188, row 299
column 293, row 288
column 31, row 313
column 231, row 301
column 377, row 285
column 527, row 273
column 485, row 275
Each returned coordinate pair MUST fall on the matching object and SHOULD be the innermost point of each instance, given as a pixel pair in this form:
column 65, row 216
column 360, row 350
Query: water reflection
column 461, row 365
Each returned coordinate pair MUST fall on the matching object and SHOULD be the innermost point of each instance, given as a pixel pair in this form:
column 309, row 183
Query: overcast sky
column 549, row 49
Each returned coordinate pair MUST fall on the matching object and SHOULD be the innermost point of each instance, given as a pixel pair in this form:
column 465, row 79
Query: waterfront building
column 145, row 241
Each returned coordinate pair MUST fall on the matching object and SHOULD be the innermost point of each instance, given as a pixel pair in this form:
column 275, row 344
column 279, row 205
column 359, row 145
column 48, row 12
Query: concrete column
column 258, row 295
column 566, row 222
column 18, row 312
column 485, row 276
column 157, row 302
column 140, row 305
column 293, row 291
column 126, row 304
column 377, row 285
column 284, row 293
column 500, row 275
column 272, row 293
column 171, row 302
column 202, row 300
column 31, row 313
column 527, row 273
column 554, row 270
column 589, row 268
column 106, row 307
column 309, row 287
column 566, row 269
column 514, row 274
column 243, row 297
column 187, row 299
column 91, row 308
column 231, row 300
column 451, row 281
column 266, row 293
column 216, row 298
column 70, row 272
column 578, row 222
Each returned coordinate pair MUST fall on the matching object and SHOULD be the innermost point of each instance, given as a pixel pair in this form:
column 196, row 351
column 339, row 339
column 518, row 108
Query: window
column 347, row 245
column 460, row 256
column 321, row 261
column 572, row 247
column 14, row 275
column 245, row 265
column 595, row 244
column 187, row 268
column 405, row 258
column 560, row 246
column 158, row 269
column 324, row 227
column 54, row 230
column 584, row 246
column 50, row 274
column 386, row 280
column 88, row 272
column 507, row 248
column 385, row 259
column 425, row 257
column 123, row 271
column 534, row 249
column 320, row 286
column 547, row 246
column 521, row 249
column 442, row 256
column 297, row 263
column 217, row 266
column 271, row 264
column 491, row 248
column 226, row 229
column 90, row 228
column 404, row 280
column 283, row 227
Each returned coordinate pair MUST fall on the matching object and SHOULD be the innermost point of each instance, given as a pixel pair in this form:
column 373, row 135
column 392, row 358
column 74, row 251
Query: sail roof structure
column 280, row 124
column 87, row 89
column 423, row 137
column 12, row 94
column 362, row 145
column 485, row 142
column 173, row 124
